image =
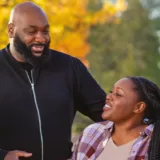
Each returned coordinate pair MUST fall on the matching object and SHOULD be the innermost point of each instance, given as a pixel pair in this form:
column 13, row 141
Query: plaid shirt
column 94, row 138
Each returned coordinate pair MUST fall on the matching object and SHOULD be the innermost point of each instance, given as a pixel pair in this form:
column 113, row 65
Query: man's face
column 31, row 36
column 34, row 53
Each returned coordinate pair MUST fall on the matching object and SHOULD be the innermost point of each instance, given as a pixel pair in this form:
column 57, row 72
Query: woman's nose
column 109, row 96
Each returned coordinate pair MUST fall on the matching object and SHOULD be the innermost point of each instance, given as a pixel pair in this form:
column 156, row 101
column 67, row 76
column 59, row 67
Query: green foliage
column 80, row 123
column 153, row 7
column 127, row 48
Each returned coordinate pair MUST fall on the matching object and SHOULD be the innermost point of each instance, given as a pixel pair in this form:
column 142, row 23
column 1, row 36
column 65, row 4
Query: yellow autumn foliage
column 70, row 22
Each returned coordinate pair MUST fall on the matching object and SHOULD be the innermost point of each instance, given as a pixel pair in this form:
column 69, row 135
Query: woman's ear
column 140, row 107
column 11, row 30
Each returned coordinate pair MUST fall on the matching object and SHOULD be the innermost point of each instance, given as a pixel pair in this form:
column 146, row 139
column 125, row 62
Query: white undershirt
column 114, row 152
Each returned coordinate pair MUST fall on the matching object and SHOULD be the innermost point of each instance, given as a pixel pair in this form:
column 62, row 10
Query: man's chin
column 37, row 54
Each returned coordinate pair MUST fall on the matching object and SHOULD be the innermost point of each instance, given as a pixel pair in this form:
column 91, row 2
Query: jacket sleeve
column 3, row 154
column 89, row 96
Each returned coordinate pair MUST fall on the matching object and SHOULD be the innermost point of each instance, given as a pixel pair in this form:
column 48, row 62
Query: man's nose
column 40, row 37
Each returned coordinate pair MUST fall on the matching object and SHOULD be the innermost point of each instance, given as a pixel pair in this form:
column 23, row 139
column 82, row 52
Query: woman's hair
column 149, row 92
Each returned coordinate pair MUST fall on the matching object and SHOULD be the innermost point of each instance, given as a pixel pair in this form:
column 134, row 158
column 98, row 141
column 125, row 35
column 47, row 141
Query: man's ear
column 140, row 107
column 11, row 30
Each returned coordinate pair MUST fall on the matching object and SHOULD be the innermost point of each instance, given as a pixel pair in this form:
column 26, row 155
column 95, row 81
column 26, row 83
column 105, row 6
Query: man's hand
column 14, row 155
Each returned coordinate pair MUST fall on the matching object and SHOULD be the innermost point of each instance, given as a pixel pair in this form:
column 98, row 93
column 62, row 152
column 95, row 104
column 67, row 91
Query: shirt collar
column 147, row 131
column 109, row 126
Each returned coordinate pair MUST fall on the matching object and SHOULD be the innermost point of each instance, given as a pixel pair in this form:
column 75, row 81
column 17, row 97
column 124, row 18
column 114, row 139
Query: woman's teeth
column 107, row 106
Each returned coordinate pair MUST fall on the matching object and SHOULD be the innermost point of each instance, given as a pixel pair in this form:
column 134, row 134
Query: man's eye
column 45, row 32
column 31, row 32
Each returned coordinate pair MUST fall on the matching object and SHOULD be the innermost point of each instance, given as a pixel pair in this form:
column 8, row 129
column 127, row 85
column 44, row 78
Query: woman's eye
column 110, row 91
column 118, row 95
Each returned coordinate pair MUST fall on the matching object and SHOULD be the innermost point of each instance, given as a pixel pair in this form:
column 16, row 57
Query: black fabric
column 27, row 67
column 3, row 154
column 62, row 86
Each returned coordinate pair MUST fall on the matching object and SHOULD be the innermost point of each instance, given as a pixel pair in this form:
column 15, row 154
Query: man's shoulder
column 63, row 59
column 2, row 53
column 59, row 54
column 2, row 50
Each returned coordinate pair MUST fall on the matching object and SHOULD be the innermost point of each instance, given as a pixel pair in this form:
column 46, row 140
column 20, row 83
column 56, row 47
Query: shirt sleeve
column 76, row 148
column 85, row 144
column 89, row 97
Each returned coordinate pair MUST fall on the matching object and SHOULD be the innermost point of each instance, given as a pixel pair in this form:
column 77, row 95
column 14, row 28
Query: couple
column 41, row 90
column 131, row 130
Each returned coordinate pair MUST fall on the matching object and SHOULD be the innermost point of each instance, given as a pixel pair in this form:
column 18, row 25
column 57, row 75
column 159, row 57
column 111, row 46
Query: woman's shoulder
column 98, row 127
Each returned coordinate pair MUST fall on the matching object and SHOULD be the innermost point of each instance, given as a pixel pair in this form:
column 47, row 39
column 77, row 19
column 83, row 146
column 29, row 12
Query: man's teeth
column 107, row 106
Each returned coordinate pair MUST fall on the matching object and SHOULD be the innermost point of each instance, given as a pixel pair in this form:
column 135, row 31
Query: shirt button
column 141, row 133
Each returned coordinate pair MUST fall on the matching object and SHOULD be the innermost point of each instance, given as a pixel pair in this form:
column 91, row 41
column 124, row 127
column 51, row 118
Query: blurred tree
column 70, row 23
column 153, row 7
column 128, row 47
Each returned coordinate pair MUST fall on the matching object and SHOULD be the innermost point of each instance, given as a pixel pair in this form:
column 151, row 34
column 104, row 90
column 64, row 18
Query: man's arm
column 90, row 98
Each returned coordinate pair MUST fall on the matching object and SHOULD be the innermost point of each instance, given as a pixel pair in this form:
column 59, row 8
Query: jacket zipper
column 31, row 81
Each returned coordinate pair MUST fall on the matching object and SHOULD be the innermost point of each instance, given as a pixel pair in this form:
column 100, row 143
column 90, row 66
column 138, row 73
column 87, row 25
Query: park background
column 113, row 38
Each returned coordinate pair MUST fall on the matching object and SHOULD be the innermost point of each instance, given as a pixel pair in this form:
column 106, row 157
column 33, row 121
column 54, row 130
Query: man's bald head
column 26, row 8
column 28, row 30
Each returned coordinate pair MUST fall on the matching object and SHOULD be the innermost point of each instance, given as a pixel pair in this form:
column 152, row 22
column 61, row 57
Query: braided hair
column 149, row 92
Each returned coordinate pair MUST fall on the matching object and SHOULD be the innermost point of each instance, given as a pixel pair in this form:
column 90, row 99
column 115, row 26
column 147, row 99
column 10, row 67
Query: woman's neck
column 126, row 132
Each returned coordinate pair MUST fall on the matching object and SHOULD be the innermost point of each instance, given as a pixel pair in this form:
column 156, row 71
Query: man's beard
column 27, row 54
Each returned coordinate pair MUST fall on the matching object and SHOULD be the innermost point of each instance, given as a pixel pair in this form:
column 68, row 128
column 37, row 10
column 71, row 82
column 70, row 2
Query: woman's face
column 121, row 102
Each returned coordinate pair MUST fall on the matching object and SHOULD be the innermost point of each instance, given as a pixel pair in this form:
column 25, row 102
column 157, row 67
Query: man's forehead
column 33, row 15
column 33, row 20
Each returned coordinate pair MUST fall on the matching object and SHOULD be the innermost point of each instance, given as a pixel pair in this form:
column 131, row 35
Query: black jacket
column 36, row 112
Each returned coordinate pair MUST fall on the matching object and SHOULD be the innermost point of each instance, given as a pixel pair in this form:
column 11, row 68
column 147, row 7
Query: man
column 40, row 91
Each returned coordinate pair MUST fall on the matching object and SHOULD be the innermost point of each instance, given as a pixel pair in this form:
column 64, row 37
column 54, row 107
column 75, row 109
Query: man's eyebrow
column 33, row 26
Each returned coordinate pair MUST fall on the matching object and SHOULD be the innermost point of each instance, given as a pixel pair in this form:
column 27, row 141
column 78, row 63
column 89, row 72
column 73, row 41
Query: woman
column 131, row 130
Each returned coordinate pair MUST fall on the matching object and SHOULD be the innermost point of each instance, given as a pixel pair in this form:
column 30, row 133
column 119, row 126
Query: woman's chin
column 104, row 116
